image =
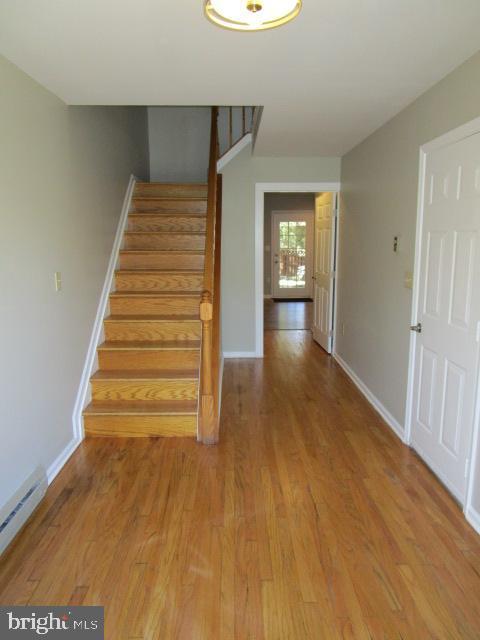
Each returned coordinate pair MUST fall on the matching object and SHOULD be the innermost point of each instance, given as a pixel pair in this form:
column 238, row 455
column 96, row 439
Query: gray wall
column 280, row 202
column 179, row 141
column 63, row 175
column 238, row 233
column 379, row 185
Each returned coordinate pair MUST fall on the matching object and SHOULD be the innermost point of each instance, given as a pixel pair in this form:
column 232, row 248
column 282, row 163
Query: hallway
column 310, row 520
column 285, row 315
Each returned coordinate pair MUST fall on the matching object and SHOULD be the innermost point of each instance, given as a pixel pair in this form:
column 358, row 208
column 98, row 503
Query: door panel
column 447, row 350
column 325, row 228
column 292, row 240
column 428, row 372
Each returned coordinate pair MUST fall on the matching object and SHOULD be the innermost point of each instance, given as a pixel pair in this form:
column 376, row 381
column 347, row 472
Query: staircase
column 147, row 381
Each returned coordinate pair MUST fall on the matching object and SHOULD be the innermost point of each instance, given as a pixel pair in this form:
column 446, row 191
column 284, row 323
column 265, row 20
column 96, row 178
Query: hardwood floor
column 309, row 521
column 288, row 315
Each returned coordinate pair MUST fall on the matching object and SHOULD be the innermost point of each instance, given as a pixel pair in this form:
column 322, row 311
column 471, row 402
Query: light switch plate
column 58, row 280
column 408, row 281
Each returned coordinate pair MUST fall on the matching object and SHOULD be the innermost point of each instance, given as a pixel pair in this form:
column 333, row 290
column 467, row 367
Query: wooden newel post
column 207, row 404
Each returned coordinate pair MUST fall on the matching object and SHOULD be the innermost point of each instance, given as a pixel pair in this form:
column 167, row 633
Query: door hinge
column 416, row 327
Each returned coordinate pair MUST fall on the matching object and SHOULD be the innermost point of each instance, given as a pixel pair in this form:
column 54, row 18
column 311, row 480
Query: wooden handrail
column 211, row 354
column 209, row 400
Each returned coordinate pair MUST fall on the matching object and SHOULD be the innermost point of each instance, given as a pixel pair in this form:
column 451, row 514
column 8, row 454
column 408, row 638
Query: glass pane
column 292, row 254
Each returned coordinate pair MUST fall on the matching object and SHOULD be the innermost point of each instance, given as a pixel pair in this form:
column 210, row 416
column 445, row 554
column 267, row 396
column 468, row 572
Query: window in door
column 292, row 255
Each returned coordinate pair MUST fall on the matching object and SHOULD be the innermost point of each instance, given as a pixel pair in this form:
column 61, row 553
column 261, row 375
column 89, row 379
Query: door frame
column 451, row 137
column 261, row 188
column 311, row 214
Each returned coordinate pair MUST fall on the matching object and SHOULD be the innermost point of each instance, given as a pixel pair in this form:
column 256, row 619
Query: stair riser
column 140, row 426
column 173, row 242
column 170, row 190
column 153, row 331
column 155, row 360
column 146, row 391
column 158, row 282
column 161, row 260
column 158, row 223
column 146, row 306
column 168, row 206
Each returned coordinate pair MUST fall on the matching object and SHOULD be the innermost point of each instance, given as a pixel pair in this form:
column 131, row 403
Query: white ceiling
column 327, row 80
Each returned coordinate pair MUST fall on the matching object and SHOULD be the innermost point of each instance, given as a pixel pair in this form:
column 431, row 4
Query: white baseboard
column 374, row 401
column 235, row 150
column 239, row 354
column 83, row 391
column 60, row 461
column 473, row 517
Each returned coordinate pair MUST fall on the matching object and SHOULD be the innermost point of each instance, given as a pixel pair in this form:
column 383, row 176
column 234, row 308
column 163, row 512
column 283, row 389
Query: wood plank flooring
column 287, row 315
column 309, row 521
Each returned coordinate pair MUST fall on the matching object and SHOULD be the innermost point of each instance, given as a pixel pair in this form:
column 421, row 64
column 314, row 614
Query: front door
column 324, row 278
column 292, row 241
column 447, row 348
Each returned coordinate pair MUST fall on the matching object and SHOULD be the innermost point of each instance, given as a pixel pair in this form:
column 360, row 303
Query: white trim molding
column 60, row 461
column 228, row 355
column 473, row 518
column 97, row 332
column 392, row 422
column 261, row 188
column 234, row 151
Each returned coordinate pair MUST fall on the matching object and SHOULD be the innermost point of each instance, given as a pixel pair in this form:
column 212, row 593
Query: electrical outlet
column 58, row 280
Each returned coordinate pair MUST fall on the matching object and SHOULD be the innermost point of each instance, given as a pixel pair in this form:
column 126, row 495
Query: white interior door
column 324, row 277
column 447, row 349
column 292, row 241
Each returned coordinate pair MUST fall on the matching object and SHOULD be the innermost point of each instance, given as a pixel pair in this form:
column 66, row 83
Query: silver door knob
column 416, row 327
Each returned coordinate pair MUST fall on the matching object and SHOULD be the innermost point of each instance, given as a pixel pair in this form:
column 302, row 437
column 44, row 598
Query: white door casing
column 446, row 352
column 279, row 288
column 324, row 270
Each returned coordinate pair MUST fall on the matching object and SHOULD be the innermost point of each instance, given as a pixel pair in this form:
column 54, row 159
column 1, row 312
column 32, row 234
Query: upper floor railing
column 233, row 124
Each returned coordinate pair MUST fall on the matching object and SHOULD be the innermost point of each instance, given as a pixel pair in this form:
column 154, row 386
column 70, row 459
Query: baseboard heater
column 21, row 505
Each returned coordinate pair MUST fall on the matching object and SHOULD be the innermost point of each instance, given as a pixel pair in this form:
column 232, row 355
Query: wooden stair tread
column 167, row 214
column 167, row 345
column 161, row 272
column 146, row 374
column 157, row 183
column 179, row 252
column 160, row 408
column 144, row 318
column 156, row 294
column 170, row 198
column 165, row 233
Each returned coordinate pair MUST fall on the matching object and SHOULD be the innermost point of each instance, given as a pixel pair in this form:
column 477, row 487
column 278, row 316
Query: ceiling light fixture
column 251, row 15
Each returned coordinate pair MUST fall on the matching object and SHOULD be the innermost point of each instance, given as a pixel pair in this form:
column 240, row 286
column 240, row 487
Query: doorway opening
column 299, row 251
column 262, row 188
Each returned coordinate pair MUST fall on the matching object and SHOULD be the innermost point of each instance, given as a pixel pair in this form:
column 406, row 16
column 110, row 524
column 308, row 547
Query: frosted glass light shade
column 251, row 15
